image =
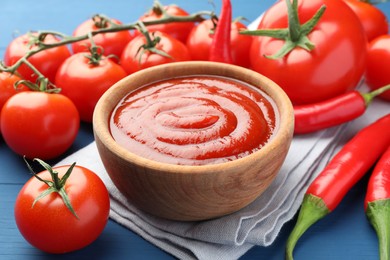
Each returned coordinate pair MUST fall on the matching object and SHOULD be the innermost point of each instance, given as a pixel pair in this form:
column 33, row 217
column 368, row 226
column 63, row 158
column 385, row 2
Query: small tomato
column 68, row 218
column 378, row 64
column 178, row 30
column 112, row 43
column 134, row 58
column 84, row 82
column 39, row 124
column 7, row 87
column 374, row 21
column 46, row 62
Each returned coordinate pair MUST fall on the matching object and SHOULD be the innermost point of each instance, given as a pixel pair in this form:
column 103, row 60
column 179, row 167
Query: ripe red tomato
column 46, row 62
column 112, row 43
column 378, row 64
column 177, row 30
column 7, row 87
column 85, row 83
column 334, row 66
column 132, row 61
column 200, row 38
column 39, row 124
column 49, row 225
column 374, row 21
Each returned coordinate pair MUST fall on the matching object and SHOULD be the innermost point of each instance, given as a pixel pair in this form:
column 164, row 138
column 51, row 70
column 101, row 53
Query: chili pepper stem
column 313, row 209
column 368, row 97
column 378, row 213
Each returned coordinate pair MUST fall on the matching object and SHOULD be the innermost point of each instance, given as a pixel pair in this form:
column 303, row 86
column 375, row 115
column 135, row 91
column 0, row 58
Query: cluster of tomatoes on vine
column 320, row 66
column 46, row 89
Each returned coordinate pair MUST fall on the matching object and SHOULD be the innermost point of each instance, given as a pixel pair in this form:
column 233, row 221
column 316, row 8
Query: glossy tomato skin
column 85, row 83
column 49, row 225
column 378, row 64
column 112, row 43
column 7, row 86
column 335, row 66
column 130, row 59
column 374, row 21
column 37, row 124
column 200, row 39
column 177, row 30
column 46, row 62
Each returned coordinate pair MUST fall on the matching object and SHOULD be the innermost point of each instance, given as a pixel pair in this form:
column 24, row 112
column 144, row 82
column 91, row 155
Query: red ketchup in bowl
column 194, row 120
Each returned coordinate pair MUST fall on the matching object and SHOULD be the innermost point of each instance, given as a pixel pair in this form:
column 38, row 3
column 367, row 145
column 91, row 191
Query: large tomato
column 49, row 225
column 134, row 58
column 112, row 43
column 46, row 62
column 201, row 37
column 374, row 21
column 178, row 30
column 335, row 65
column 378, row 64
column 39, row 124
column 85, row 83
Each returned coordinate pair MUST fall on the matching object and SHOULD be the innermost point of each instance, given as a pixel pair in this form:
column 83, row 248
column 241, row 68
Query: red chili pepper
column 220, row 47
column 342, row 172
column 377, row 203
column 332, row 112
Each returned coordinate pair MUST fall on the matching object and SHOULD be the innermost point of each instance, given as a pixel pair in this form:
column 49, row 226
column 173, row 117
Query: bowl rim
column 283, row 104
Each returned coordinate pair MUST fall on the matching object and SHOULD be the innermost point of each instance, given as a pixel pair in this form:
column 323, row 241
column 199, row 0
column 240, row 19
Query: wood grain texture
column 192, row 192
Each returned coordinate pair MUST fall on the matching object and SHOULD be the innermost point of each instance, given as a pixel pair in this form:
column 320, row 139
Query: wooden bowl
column 183, row 192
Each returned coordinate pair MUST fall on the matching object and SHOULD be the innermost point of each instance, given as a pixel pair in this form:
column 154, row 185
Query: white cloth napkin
column 259, row 223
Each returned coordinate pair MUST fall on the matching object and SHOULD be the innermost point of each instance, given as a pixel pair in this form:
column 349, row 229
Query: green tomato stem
column 55, row 185
column 151, row 43
column 312, row 209
column 378, row 214
column 67, row 39
column 158, row 8
column 296, row 33
column 102, row 21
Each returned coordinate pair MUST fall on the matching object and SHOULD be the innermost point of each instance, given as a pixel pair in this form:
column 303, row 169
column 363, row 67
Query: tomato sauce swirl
column 194, row 120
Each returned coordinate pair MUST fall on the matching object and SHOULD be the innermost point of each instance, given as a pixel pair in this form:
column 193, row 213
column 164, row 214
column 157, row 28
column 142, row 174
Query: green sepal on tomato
column 62, row 209
column 112, row 43
column 313, row 49
column 84, row 78
column 46, row 61
column 344, row 170
column 151, row 49
column 178, row 30
column 377, row 203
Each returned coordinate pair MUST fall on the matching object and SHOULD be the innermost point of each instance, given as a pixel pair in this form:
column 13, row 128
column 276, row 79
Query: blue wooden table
column 344, row 234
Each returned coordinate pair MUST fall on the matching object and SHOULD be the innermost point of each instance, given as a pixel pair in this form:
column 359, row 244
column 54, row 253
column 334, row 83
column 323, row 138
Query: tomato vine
column 64, row 39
